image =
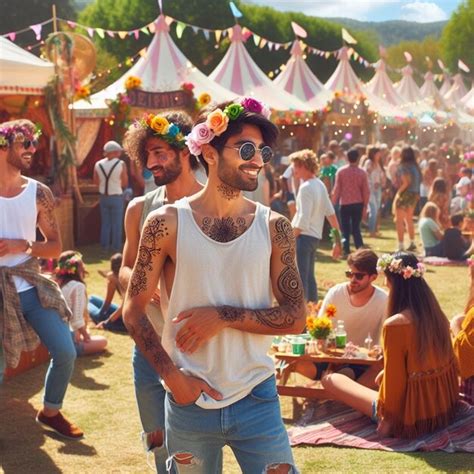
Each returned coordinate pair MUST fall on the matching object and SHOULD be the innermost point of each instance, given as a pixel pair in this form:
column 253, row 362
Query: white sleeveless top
column 18, row 216
column 210, row 273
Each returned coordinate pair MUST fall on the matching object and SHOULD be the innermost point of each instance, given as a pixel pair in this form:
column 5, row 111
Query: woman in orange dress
column 419, row 385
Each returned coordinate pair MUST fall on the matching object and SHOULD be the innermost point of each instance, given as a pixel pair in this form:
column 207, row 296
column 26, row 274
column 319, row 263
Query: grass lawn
column 101, row 400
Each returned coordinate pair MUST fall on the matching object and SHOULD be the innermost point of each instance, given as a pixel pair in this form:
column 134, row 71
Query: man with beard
column 362, row 306
column 172, row 166
column 32, row 306
column 219, row 257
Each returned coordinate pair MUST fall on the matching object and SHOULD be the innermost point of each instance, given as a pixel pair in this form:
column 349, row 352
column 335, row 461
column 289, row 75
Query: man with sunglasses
column 220, row 257
column 32, row 308
column 362, row 306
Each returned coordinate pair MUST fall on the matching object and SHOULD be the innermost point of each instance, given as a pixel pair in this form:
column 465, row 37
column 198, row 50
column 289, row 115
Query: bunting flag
column 218, row 34
column 180, row 27
column 111, row 33
column 263, row 42
column 145, row 30
column 346, row 36
column 122, row 34
column 408, row 56
column 151, row 27
column 206, row 34
column 298, row 30
column 463, row 66
column 441, row 65
column 100, row 32
column 256, row 39
column 235, row 11
column 37, row 29
column 72, row 24
column 136, row 33
column 12, row 36
column 90, row 32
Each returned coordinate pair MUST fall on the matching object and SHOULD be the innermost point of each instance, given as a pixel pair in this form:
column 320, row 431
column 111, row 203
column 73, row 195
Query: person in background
column 351, row 190
column 289, row 188
column 430, row 231
column 455, row 246
column 376, row 174
column 328, row 170
column 104, row 313
column 69, row 274
column 313, row 205
column 419, row 386
column 462, row 201
column 439, row 195
column 407, row 196
column 110, row 174
column 429, row 174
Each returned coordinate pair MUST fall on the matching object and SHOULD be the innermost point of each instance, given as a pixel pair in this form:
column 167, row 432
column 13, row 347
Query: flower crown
column 70, row 266
column 169, row 132
column 18, row 134
column 218, row 121
column 395, row 265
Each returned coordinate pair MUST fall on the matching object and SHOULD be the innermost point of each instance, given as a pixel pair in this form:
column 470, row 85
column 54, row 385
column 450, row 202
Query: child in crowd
column 69, row 275
column 419, row 384
column 430, row 232
column 104, row 313
column 455, row 246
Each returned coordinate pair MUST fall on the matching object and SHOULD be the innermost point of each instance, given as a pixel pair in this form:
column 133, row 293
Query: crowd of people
column 220, row 254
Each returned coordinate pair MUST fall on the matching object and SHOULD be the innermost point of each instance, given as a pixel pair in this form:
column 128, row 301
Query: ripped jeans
column 251, row 427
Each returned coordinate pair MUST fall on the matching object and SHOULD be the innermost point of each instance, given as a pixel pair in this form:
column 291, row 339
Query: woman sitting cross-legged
column 419, row 385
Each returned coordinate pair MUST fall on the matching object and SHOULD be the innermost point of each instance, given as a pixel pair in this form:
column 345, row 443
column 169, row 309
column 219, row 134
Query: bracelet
column 335, row 236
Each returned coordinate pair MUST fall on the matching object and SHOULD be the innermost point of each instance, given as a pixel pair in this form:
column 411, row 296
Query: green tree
column 458, row 36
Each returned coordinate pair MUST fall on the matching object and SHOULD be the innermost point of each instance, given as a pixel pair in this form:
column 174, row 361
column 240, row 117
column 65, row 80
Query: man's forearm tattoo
column 230, row 314
column 228, row 192
column 45, row 202
column 153, row 232
column 225, row 229
column 148, row 341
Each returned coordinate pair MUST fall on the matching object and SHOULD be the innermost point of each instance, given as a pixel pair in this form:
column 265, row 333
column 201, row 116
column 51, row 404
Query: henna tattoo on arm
column 230, row 314
column 46, row 205
column 228, row 192
column 225, row 229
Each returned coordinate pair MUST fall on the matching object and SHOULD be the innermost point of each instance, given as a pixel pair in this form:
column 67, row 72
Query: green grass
column 101, row 400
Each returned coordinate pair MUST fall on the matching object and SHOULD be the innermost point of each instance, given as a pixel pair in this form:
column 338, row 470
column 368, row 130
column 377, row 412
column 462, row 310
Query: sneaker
column 412, row 247
column 60, row 425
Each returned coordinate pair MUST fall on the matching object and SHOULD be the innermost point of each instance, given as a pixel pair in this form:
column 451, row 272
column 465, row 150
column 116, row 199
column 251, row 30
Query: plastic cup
column 298, row 346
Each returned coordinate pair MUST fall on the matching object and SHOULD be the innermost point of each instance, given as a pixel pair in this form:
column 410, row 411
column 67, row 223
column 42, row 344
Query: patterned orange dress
column 415, row 397
column 464, row 350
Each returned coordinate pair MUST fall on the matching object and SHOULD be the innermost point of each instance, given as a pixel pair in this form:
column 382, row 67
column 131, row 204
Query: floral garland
column 18, row 134
column 395, row 265
column 169, row 132
column 132, row 82
column 70, row 266
column 218, row 121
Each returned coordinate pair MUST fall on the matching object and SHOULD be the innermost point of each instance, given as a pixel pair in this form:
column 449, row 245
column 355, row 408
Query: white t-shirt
column 359, row 321
column 312, row 206
column 115, row 182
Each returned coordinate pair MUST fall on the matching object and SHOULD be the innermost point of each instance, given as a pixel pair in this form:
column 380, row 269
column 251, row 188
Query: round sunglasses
column 358, row 275
column 27, row 143
column 247, row 151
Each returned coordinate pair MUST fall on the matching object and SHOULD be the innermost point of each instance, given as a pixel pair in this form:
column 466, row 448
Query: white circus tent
column 407, row 87
column 163, row 68
column 239, row 73
column 457, row 91
column 344, row 80
column 381, row 85
column 446, row 85
column 429, row 91
column 298, row 79
column 22, row 72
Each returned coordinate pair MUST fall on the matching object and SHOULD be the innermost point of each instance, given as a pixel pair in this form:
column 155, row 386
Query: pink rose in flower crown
column 408, row 272
column 193, row 146
column 252, row 105
column 217, row 121
column 202, row 133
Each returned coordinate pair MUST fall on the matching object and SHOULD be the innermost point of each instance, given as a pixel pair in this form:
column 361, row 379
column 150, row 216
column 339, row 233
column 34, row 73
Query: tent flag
column 256, row 39
column 12, row 36
column 37, row 29
column 90, row 32
column 298, row 30
column 100, row 32
column 218, row 34
column 180, row 26
column 111, row 33
column 441, row 65
column 235, row 11
column 122, row 34
column 206, row 34
column 145, row 30
column 464, row 67
column 408, row 56
column 346, row 36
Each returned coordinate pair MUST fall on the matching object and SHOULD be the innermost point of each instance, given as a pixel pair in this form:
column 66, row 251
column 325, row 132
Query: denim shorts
column 358, row 369
column 251, row 427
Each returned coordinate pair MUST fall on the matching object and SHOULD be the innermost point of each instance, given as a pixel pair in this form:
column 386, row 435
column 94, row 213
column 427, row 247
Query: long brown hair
column 413, row 294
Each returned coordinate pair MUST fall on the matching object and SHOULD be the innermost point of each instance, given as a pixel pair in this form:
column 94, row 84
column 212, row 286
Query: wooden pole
column 55, row 19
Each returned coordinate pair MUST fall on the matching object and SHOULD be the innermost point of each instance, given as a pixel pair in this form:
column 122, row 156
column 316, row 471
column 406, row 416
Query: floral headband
column 395, row 265
column 18, row 134
column 218, row 120
column 70, row 266
column 169, row 132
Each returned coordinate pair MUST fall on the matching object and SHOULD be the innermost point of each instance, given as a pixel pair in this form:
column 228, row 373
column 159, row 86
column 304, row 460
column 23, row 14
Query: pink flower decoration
column 408, row 272
column 193, row 146
column 201, row 133
column 252, row 105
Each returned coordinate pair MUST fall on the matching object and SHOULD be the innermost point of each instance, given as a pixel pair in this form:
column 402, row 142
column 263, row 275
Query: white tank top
column 18, row 217
column 210, row 273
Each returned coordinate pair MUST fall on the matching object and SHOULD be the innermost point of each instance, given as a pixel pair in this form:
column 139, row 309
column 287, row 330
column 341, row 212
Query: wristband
column 335, row 236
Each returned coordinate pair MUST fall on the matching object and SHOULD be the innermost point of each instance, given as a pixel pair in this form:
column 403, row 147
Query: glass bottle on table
column 341, row 335
column 368, row 342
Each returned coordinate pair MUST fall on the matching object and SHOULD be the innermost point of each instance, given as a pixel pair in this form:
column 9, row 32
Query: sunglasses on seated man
column 358, row 275
column 247, row 151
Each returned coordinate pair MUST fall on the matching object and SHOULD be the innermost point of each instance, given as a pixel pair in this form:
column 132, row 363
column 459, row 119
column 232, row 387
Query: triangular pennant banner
column 142, row 52
column 180, row 27
column 145, row 30
column 90, row 32
column 12, row 36
column 263, row 42
column 298, row 30
column 72, row 24
column 464, row 67
column 277, row 46
column 37, row 30
column 235, row 11
column 218, row 34
column 122, row 34
column 169, row 20
column 270, row 45
column 195, row 29
column 206, row 34
column 111, row 33
column 151, row 27
column 136, row 33
column 346, row 36
column 327, row 54
column 408, row 56
column 100, row 32
column 256, row 39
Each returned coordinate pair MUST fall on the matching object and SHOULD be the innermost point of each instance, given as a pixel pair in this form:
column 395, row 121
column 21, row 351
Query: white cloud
column 422, row 12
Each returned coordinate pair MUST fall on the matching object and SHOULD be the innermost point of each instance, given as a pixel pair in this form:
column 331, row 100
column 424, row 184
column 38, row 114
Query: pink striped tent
column 239, row 73
column 344, row 80
column 381, row 85
column 407, row 87
column 163, row 68
column 429, row 91
column 457, row 92
column 298, row 79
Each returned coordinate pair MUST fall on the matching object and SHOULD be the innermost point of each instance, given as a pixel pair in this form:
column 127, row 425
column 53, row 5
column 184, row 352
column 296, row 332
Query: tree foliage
column 458, row 36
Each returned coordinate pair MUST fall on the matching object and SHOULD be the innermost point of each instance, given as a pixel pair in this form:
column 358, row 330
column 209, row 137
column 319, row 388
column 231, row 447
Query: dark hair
column 364, row 260
column 456, row 219
column 116, row 263
column 136, row 137
column 62, row 275
column 439, row 186
column 268, row 129
column 353, row 155
column 414, row 294
column 408, row 155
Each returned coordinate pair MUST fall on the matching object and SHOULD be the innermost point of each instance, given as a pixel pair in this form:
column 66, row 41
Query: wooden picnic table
column 333, row 357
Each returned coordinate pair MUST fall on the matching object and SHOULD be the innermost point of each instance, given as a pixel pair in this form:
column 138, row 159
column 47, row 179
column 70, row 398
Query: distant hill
column 394, row 31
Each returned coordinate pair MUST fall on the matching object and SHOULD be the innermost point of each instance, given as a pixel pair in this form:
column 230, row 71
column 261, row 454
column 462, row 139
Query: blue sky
column 369, row 10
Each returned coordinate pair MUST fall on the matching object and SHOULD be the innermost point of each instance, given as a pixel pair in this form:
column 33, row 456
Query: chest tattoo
column 225, row 229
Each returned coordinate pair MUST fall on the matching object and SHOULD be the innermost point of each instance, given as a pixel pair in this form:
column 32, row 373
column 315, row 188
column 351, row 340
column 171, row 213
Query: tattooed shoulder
column 46, row 204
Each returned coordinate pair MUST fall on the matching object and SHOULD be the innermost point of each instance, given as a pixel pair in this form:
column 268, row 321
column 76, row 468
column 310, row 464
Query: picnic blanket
column 343, row 426
column 443, row 261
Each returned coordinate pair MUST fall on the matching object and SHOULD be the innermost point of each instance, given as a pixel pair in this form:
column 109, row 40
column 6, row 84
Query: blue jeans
column 375, row 202
column 56, row 336
column 98, row 315
column 251, row 427
column 305, row 256
column 435, row 251
column 111, row 214
column 150, row 396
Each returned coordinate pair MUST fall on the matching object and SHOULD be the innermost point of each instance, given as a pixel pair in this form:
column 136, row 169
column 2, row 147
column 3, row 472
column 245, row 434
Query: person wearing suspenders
column 172, row 167
column 222, row 261
column 110, row 174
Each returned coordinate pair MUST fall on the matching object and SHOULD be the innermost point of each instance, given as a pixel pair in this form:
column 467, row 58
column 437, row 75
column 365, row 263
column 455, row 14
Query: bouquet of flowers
column 132, row 82
column 319, row 327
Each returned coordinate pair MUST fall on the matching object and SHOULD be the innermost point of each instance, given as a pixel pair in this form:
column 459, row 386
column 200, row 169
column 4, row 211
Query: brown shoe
column 60, row 425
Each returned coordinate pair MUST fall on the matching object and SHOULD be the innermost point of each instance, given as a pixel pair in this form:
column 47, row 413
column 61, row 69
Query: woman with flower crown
column 69, row 275
column 419, row 385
